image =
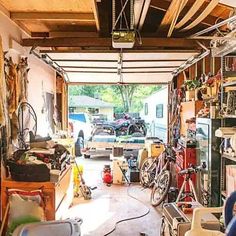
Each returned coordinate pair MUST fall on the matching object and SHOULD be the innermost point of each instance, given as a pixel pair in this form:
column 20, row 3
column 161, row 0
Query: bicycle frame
column 161, row 166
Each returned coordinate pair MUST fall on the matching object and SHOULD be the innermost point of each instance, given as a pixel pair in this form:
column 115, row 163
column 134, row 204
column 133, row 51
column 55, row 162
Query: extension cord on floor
column 131, row 218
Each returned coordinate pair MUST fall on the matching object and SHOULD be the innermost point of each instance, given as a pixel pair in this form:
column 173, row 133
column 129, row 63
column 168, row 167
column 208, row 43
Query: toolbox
column 179, row 222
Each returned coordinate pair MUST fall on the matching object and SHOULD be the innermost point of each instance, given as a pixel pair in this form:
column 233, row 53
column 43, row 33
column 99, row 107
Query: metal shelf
column 229, row 116
column 229, row 74
column 229, row 84
column 232, row 158
column 223, row 193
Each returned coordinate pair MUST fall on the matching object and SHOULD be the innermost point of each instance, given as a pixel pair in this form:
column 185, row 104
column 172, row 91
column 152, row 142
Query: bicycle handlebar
column 193, row 169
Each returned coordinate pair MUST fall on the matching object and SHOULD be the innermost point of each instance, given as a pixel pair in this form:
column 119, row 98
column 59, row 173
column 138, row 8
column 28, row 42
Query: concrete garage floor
column 111, row 204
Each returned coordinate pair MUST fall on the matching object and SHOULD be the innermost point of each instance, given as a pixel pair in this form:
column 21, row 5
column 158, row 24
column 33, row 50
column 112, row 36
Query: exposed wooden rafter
column 163, row 6
column 179, row 8
column 72, row 34
column 166, row 21
column 4, row 10
column 195, row 7
column 170, row 14
column 95, row 12
column 106, row 42
column 22, row 26
column 212, row 4
column 52, row 16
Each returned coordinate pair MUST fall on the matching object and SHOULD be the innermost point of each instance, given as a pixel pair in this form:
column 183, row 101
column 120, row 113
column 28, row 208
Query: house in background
column 91, row 105
column 155, row 113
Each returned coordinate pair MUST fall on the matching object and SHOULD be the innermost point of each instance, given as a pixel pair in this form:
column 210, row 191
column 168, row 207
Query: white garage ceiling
column 143, row 68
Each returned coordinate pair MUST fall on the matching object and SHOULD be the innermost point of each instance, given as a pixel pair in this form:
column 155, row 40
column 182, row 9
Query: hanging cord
column 130, row 218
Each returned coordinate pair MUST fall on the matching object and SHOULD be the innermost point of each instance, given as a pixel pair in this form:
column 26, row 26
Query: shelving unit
column 223, row 193
column 229, row 84
column 229, row 157
column 226, row 159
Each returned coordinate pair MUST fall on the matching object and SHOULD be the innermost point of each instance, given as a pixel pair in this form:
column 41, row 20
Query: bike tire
column 157, row 187
column 147, row 178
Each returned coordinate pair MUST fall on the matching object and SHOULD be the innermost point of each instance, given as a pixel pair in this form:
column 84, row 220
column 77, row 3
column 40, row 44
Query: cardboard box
column 154, row 149
column 117, row 151
column 190, row 95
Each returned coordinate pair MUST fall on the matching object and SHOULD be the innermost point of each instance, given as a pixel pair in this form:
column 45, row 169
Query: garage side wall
column 42, row 78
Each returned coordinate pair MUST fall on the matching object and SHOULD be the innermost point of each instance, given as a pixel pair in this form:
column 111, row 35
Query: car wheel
column 86, row 156
column 78, row 146
column 81, row 134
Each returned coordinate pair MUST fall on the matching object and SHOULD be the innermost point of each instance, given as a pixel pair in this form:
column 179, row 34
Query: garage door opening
column 110, row 106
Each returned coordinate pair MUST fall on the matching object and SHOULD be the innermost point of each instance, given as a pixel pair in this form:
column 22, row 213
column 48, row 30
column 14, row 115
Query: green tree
column 126, row 92
column 126, row 98
column 87, row 90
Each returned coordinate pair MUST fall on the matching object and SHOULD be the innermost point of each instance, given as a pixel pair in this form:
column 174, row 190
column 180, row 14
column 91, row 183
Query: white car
column 82, row 126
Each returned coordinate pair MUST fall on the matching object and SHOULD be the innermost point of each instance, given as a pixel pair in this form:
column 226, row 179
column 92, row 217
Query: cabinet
column 185, row 157
column 57, row 196
column 208, row 150
column 208, row 146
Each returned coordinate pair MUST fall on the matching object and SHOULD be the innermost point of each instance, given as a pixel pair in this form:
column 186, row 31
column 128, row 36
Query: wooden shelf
column 232, row 158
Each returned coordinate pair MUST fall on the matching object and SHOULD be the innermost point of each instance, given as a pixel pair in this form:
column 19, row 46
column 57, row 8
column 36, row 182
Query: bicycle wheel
column 161, row 188
column 147, row 172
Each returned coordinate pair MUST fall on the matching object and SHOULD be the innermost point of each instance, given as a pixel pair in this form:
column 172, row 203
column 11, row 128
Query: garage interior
column 186, row 45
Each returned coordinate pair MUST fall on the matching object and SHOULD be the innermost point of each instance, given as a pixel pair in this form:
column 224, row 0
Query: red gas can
column 107, row 176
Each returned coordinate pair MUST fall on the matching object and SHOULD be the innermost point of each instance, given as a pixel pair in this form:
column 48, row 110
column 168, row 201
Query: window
column 146, row 109
column 159, row 111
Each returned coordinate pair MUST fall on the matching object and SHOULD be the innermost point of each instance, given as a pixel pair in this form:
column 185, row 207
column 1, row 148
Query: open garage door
column 115, row 68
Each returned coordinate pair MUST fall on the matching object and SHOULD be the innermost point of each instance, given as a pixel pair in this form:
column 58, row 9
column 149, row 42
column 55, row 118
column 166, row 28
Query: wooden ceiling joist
column 4, row 10
column 171, row 13
column 95, row 12
column 195, row 7
column 64, row 34
column 212, row 4
column 52, row 16
column 181, row 5
column 163, row 6
column 72, row 34
column 106, row 42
